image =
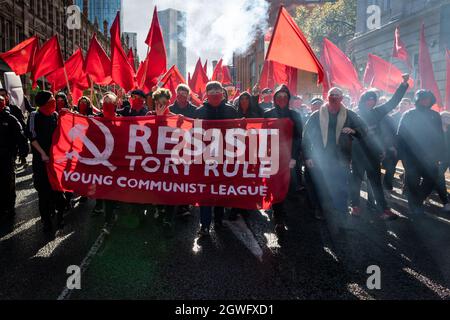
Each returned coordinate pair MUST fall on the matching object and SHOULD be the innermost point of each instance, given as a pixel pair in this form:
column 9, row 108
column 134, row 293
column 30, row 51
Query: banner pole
column 68, row 84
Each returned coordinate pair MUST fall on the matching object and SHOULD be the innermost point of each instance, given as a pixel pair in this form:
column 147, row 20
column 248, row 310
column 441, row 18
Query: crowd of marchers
column 337, row 144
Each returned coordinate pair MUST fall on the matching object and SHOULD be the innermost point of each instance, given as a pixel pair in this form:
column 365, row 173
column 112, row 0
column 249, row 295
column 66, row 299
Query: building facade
column 408, row 15
column 21, row 19
column 247, row 67
column 130, row 40
column 102, row 10
column 173, row 24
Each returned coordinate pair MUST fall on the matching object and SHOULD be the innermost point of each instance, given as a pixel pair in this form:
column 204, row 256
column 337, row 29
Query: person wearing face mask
column 369, row 152
column 61, row 102
column 215, row 107
column 109, row 113
column 280, row 110
column 84, row 107
column 245, row 108
column 40, row 127
column 327, row 145
column 266, row 98
column 389, row 126
column 420, row 146
column 11, row 139
column 182, row 105
column 137, row 107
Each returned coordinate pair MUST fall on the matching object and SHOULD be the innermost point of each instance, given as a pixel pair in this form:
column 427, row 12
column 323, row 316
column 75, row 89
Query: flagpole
column 43, row 83
column 68, row 84
column 92, row 90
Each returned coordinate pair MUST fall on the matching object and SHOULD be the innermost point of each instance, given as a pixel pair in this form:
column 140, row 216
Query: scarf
column 324, row 119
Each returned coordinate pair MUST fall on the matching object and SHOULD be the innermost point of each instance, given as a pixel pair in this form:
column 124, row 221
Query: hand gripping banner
column 173, row 160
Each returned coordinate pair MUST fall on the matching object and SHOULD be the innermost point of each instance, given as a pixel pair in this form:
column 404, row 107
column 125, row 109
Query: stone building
column 21, row 19
column 408, row 15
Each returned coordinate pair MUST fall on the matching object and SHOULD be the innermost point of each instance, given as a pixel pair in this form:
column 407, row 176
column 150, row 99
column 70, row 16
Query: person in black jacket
column 182, row 105
column 41, row 125
column 137, row 105
column 246, row 107
column 214, row 108
column 327, row 146
column 281, row 110
column 369, row 152
column 421, row 149
column 11, row 140
column 389, row 127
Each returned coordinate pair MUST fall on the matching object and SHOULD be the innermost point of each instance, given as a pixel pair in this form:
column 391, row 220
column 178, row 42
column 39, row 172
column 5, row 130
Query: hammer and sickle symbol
column 100, row 158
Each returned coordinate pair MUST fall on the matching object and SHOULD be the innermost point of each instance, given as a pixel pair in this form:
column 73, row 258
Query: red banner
column 173, row 160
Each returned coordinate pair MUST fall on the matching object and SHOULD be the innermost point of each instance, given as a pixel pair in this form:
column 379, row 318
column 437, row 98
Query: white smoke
column 216, row 29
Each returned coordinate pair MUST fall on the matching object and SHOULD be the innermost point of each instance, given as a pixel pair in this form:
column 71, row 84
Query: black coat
column 188, row 111
column 282, row 113
column 313, row 147
column 223, row 111
column 12, row 137
column 421, row 137
column 372, row 146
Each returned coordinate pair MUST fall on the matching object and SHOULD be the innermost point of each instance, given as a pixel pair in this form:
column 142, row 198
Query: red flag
column 171, row 80
column 383, row 75
column 47, row 59
column 121, row 70
column 292, row 79
column 273, row 74
column 156, row 60
column 399, row 50
column 226, row 75
column 340, row 69
column 20, row 58
column 426, row 74
column 447, row 85
column 199, row 79
column 97, row 63
column 74, row 71
column 290, row 47
column 130, row 57
column 76, row 93
column 140, row 73
column 205, row 66
column 218, row 72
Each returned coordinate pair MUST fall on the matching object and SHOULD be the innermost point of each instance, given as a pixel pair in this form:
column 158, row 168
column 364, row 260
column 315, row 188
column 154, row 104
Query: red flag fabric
column 140, row 73
column 121, row 71
column 199, row 80
column 156, row 60
column 447, row 85
column 273, row 74
column 90, row 156
column 171, row 80
column 47, row 59
column 205, row 66
column 76, row 93
column 130, row 57
column 20, row 58
column 383, row 75
column 97, row 63
column 340, row 69
column 426, row 74
column 75, row 73
column 292, row 79
column 289, row 46
column 399, row 50
column 221, row 73
column 218, row 72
